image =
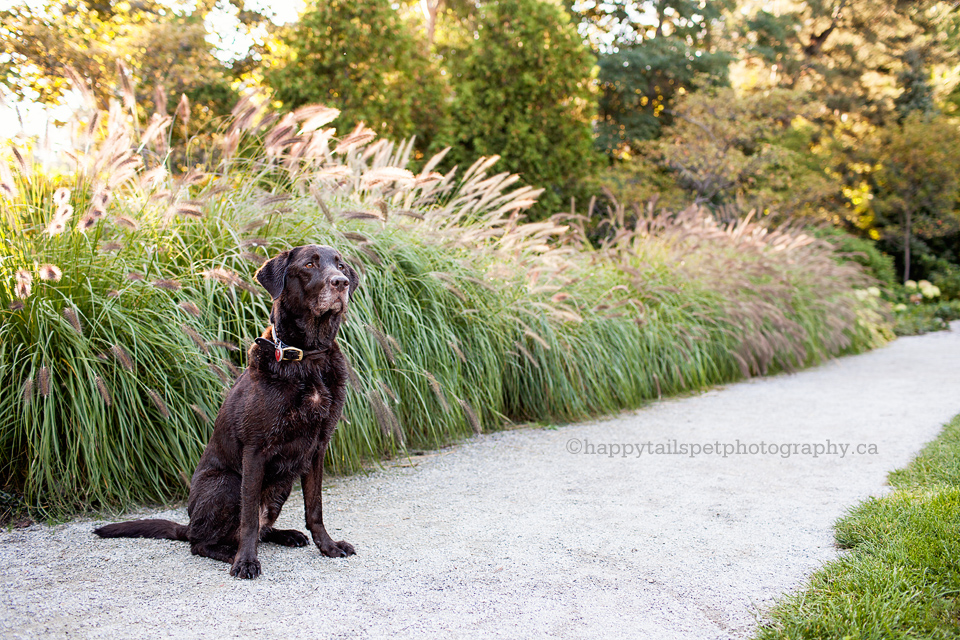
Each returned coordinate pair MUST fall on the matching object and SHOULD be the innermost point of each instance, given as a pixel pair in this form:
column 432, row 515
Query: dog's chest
column 290, row 445
column 306, row 408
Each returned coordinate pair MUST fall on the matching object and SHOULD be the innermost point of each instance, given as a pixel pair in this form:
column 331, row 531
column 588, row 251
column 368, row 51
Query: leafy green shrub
column 523, row 93
column 860, row 250
column 947, row 279
column 363, row 58
column 917, row 319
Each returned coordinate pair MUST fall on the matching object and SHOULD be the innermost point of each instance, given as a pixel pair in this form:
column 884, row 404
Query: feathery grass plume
column 61, row 196
column 333, row 173
column 50, row 272
column 360, row 215
column 127, row 222
column 64, row 212
column 526, row 354
column 159, row 403
column 113, row 293
column 229, row 346
column 315, row 116
column 129, row 97
column 87, row 222
column 272, row 199
column 101, row 198
column 190, row 308
column 122, row 356
column 7, row 186
column 280, row 135
column 23, row 279
column 158, row 123
column 381, row 413
column 59, row 222
column 162, row 194
column 56, row 227
column 386, row 175
column 357, row 138
column 193, row 335
column 437, row 391
column 16, row 305
column 153, row 178
column 456, row 349
column 470, row 415
column 21, row 161
column 229, row 143
column 160, row 99
column 356, row 237
column 27, row 392
column 187, row 208
column 102, row 390
column 246, row 286
column 107, row 247
column 71, row 316
column 387, row 390
column 80, row 84
column 232, row 368
column 220, row 373
column 43, row 378
column 256, row 224
column 255, row 258
column 183, row 109
column 353, row 378
column 245, row 111
column 204, row 418
column 135, row 276
column 383, row 342
column 194, row 176
column 223, row 275
column 168, row 284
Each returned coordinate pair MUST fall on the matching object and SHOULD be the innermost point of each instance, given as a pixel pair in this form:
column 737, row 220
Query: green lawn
column 901, row 575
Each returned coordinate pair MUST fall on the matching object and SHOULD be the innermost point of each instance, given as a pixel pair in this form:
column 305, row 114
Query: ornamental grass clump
column 121, row 330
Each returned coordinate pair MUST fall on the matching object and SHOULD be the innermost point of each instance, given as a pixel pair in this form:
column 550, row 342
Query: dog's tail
column 164, row 529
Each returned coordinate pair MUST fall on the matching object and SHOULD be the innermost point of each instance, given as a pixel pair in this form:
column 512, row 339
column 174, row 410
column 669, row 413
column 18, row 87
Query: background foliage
column 127, row 300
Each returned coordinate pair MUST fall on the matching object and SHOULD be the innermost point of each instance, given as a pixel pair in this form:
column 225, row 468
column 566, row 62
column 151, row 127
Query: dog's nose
column 339, row 282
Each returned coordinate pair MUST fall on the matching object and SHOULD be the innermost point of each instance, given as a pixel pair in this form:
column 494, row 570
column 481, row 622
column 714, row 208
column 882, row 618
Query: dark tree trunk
column 906, row 248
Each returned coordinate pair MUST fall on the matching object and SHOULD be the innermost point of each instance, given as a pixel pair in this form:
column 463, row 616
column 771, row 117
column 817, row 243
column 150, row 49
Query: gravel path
column 511, row 535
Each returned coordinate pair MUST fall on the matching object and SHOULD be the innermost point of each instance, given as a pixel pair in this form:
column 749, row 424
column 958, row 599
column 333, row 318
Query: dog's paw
column 247, row 569
column 340, row 549
column 287, row 538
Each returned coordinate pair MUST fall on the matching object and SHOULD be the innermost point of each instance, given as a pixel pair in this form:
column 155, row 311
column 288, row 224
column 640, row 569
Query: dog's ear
column 352, row 276
column 273, row 274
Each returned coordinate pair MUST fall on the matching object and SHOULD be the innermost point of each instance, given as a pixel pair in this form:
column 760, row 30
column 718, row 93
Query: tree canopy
column 364, row 58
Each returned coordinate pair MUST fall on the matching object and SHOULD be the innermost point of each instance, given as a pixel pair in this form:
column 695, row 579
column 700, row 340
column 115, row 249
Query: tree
column 653, row 53
column 918, row 182
column 160, row 48
column 917, row 93
column 362, row 57
column 523, row 92
column 746, row 150
column 851, row 53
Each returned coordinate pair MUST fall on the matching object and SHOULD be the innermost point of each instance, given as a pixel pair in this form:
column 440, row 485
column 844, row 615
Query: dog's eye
column 341, row 267
column 309, row 265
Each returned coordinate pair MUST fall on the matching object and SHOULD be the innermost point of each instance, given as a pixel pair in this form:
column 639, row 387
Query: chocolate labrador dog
column 275, row 423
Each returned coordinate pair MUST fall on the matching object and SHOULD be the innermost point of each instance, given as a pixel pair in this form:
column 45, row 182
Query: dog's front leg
column 245, row 564
column 313, row 507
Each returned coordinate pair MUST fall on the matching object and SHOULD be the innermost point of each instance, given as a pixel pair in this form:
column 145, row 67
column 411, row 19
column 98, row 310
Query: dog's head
column 313, row 277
